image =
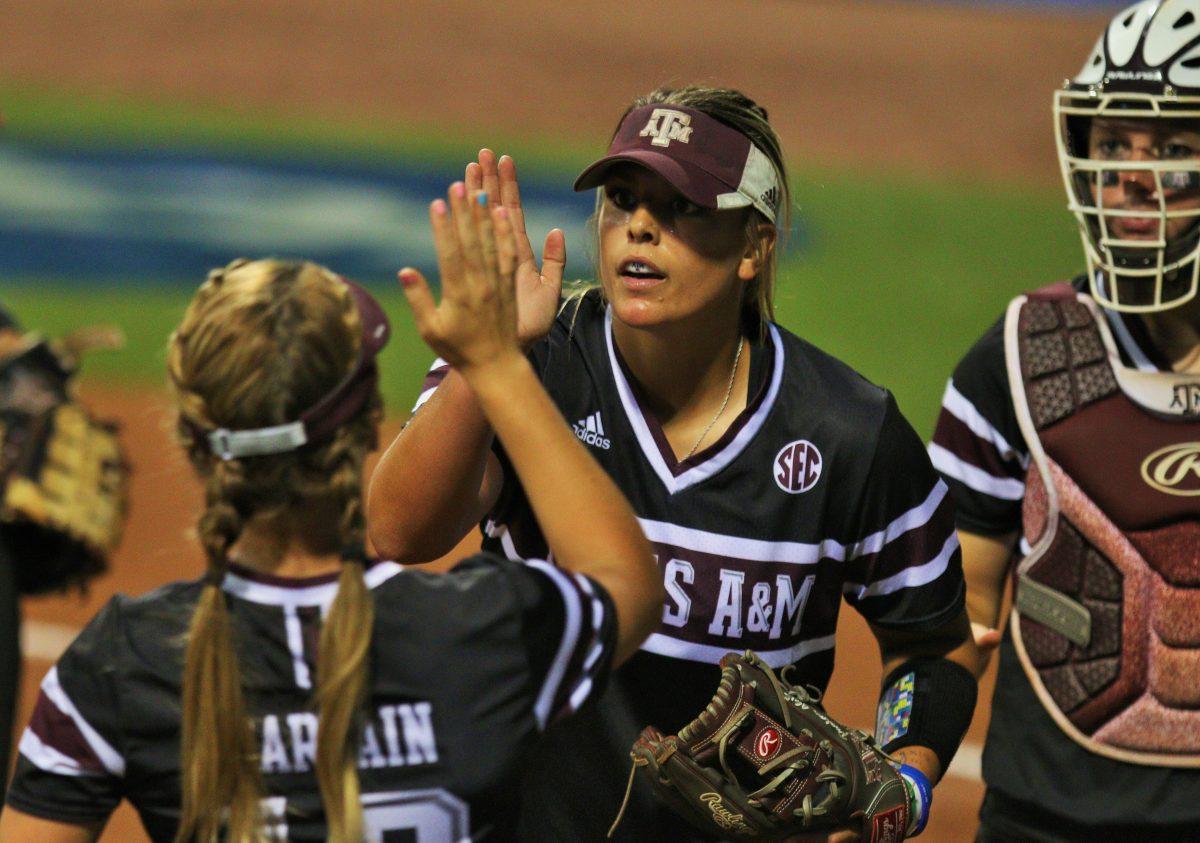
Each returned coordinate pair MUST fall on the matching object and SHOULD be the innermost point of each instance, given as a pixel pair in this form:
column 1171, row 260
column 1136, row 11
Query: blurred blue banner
column 160, row 215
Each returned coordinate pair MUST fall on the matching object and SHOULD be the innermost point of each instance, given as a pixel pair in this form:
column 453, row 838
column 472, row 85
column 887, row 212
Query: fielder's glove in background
column 63, row 477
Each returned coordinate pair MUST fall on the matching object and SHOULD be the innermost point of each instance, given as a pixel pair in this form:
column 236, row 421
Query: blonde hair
column 739, row 112
column 260, row 343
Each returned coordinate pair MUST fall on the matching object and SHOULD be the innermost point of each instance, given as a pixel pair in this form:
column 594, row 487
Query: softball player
column 771, row 479
column 1070, row 435
column 385, row 704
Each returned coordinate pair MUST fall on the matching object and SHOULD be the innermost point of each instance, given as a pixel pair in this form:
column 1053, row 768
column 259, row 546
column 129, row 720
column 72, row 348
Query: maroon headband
column 710, row 163
column 321, row 420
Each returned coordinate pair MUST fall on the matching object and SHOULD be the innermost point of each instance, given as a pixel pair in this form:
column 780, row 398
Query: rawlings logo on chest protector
column 1174, row 469
column 1103, row 620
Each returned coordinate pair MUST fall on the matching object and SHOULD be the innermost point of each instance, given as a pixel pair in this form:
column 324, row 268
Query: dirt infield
column 158, row 548
column 930, row 88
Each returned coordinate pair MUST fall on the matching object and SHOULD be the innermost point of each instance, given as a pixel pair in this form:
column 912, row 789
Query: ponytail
column 219, row 764
column 342, row 658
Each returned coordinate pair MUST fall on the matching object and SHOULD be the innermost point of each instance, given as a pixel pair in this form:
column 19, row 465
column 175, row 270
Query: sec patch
column 797, row 466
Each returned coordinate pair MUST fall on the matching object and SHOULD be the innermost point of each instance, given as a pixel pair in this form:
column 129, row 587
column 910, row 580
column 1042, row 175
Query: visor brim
column 695, row 184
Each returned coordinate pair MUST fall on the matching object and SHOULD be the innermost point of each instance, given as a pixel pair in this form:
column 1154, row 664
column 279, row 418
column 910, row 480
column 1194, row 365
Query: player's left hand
column 476, row 321
column 537, row 287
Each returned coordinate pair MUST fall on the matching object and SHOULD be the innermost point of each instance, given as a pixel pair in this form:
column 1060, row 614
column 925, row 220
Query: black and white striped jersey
column 467, row 670
column 820, row 489
column 978, row 446
column 981, row 452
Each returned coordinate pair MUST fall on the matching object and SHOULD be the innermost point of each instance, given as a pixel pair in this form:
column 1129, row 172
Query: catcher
column 1070, row 436
column 63, row 485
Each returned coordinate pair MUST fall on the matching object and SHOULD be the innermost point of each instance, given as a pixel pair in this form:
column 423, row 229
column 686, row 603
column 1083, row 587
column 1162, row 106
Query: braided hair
column 260, row 343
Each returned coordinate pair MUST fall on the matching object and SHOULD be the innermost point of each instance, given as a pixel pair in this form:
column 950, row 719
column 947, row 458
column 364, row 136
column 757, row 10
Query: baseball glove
column 764, row 762
column 63, row 475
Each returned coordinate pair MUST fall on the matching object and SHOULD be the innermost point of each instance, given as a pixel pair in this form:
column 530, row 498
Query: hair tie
column 214, row 576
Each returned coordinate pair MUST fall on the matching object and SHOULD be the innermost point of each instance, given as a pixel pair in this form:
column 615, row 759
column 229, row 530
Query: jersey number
column 399, row 816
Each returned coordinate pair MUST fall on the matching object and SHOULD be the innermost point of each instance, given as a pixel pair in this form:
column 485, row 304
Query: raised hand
column 537, row 289
column 475, row 323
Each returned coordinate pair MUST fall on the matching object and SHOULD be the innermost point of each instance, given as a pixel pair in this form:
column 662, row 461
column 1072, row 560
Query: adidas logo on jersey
column 591, row 431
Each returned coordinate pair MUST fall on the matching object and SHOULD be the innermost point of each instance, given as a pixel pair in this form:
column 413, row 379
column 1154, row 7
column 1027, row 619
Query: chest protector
column 1106, row 619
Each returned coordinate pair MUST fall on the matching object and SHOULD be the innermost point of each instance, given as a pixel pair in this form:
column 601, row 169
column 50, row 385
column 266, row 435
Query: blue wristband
column 922, row 792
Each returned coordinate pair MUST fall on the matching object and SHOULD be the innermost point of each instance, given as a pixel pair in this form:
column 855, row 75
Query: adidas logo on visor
column 590, row 431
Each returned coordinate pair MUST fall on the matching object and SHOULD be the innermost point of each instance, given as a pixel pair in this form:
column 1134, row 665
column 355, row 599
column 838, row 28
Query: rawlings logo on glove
column 764, row 762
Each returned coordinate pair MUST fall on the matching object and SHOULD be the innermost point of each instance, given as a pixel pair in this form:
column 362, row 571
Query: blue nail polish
column 483, row 198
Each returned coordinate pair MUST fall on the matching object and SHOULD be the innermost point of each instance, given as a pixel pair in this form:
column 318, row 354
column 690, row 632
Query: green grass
column 897, row 275
column 900, row 276
column 147, row 313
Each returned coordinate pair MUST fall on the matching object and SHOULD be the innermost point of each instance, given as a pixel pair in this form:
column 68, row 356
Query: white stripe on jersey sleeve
column 673, row 647
column 45, row 757
column 112, row 760
column 974, row 477
column 423, row 397
column 916, row 517
column 955, row 403
column 427, row 394
column 910, row 577
column 499, row 531
column 583, row 688
column 566, row 648
column 597, row 649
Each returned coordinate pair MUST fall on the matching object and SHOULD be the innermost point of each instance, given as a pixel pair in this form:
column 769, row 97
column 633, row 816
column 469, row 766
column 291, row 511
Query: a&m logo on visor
column 666, row 125
column 1174, row 469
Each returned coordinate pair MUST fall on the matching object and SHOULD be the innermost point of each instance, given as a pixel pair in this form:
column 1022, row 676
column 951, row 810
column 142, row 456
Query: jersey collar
column 713, row 459
column 309, row 591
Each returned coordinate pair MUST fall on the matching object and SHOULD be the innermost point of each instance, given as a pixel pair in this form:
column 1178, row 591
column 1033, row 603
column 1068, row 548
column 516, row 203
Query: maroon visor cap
column 710, row 163
column 339, row 405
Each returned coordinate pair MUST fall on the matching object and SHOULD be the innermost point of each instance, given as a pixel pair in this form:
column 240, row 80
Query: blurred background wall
column 147, row 141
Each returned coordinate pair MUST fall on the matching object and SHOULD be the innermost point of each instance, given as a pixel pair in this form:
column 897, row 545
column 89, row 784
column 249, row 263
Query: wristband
column 926, row 702
column 920, row 792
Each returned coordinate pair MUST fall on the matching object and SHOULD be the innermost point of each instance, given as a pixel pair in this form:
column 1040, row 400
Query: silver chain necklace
column 728, row 392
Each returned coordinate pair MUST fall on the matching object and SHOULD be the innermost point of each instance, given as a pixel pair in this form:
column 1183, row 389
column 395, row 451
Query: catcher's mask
column 1145, row 69
column 337, row 407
